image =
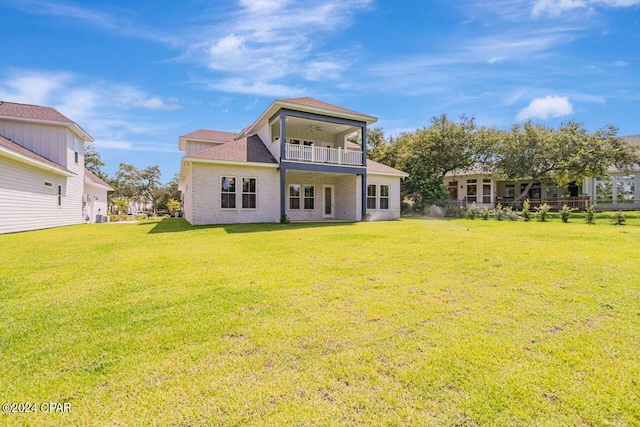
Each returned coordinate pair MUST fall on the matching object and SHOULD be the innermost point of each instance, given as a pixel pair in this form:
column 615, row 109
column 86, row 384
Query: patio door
column 328, row 204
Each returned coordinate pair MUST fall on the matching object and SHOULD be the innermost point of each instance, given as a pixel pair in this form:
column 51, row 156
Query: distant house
column 618, row 190
column 95, row 197
column 294, row 160
column 42, row 174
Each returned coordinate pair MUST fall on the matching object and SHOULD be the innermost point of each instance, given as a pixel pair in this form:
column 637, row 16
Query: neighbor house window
column 604, row 190
column 625, row 189
column 510, row 190
column 371, row 196
column 486, row 191
column 248, row 193
column 309, row 197
column 294, row 196
column 228, row 192
column 552, row 189
column 384, row 197
column 59, row 195
column 472, row 190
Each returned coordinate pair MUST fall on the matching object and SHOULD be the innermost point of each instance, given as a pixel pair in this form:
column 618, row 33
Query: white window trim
column 243, row 193
column 304, row 197
column 374, row 197
column 221, row 193
column 380, row 197
column 300, row 197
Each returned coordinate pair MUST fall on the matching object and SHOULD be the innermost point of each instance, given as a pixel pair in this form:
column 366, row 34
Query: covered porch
column 322, row 196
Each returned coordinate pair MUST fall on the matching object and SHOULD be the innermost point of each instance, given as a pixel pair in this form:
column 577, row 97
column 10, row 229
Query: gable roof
column 314, row 103
column 244, row 150
column 37, row 113
column 18, row 152
column 379, row 168
column 210, row 135
column 94, row 179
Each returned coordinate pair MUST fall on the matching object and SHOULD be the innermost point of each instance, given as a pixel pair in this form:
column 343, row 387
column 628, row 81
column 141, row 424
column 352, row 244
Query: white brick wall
column 205, row 180
column 394, row 197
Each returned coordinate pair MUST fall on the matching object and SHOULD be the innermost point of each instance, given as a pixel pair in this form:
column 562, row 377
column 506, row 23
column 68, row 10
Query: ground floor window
column 249, row 193
column 552, row 189
column 384, row 196
column 604, row 190
column 371, row 196
column 228, row 192
column 309, row 197
column 625, row 189
column 294, row 196
column 59, row 195
column 486, row 191
column 510, row 190
column 472, row 190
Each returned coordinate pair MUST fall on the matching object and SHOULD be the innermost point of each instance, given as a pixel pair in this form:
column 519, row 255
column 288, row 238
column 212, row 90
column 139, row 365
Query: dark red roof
column 314, row 103
column 37, row 112
column 7, row 143
column 210, row 135
column 249, row 149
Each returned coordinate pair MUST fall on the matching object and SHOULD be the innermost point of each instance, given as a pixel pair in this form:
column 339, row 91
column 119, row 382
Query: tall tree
column 93, row 162
column 534, row 152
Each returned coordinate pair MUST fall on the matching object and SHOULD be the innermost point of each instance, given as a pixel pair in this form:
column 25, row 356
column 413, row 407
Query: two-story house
column 42, row 174
column 294, row 160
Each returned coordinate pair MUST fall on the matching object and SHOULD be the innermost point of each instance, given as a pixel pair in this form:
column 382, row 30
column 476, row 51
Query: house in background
column 618, row 190
column 42, row 174
column 95, row 197
column 294, row 160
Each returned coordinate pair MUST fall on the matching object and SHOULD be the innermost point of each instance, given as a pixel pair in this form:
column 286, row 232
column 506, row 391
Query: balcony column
column 283, row 171
column 363, row 129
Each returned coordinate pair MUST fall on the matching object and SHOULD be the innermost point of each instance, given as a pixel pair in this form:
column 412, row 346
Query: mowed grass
column 410, row 322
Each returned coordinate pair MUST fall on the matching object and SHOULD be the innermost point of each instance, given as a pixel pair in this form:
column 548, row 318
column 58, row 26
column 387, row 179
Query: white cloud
column 258, row 88
column 543, row 108
column 555, row 8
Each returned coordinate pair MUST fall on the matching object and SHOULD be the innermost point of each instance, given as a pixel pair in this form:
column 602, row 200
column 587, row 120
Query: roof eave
column 14, row 155
column 229, row 162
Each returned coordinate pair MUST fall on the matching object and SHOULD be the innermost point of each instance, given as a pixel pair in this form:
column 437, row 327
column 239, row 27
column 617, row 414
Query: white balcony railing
column 313, row 154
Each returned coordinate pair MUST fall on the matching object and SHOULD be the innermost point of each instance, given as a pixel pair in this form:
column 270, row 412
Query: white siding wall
column 394, row 197
column 205, row 181
column 47, row 140
column 96, row 201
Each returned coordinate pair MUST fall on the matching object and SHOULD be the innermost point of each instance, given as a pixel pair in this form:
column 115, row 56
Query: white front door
column 328, row 204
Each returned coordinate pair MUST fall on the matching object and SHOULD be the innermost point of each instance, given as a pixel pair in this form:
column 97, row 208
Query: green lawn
column 410, row 322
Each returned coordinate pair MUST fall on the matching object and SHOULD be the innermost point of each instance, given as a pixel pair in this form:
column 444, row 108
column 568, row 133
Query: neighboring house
column 95, row 197
column 41, row 168
column 619, row 190
column 294, row 160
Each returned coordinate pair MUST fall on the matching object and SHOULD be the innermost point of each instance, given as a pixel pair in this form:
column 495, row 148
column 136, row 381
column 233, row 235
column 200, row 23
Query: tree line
column 134, row 188
column 525, row 152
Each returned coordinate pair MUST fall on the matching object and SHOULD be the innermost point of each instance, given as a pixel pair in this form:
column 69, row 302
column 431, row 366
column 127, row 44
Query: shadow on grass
column 178, row 225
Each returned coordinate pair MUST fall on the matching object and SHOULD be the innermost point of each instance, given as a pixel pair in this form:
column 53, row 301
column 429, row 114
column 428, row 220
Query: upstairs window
column 228, row 192
column 76, row 148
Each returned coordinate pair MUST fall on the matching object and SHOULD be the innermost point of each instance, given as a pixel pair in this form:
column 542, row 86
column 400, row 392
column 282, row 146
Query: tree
column 136, row 185
column 166, row 192
column 429, row 153
column 148, row 183
column 93, row 162
column 569, row 154
column 173, row 205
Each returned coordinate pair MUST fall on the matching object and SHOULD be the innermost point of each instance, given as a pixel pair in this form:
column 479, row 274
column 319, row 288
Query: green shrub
column 565, row 212
column 454, row 212
column 541, row 212
column 499, row 212
column 484, row 213
column 526, row 210
column 284, row 219
column 590, row 216
column 473, row 211
column 618, row 218
column 511, row 214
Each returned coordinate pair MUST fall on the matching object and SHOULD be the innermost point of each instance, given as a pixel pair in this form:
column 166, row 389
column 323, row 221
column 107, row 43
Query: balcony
column 313, row 154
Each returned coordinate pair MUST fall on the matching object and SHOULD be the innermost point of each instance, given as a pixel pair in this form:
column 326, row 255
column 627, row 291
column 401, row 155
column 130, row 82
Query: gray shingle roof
column 210, row 135
column 249, row 149
column 311, row 102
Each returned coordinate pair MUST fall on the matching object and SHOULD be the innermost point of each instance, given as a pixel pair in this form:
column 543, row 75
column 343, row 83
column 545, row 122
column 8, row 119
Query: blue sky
column 137, row 75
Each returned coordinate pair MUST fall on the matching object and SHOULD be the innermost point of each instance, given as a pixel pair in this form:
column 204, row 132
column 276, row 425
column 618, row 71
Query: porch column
column 364, row 194
column 283, row 171
column 364, row 145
